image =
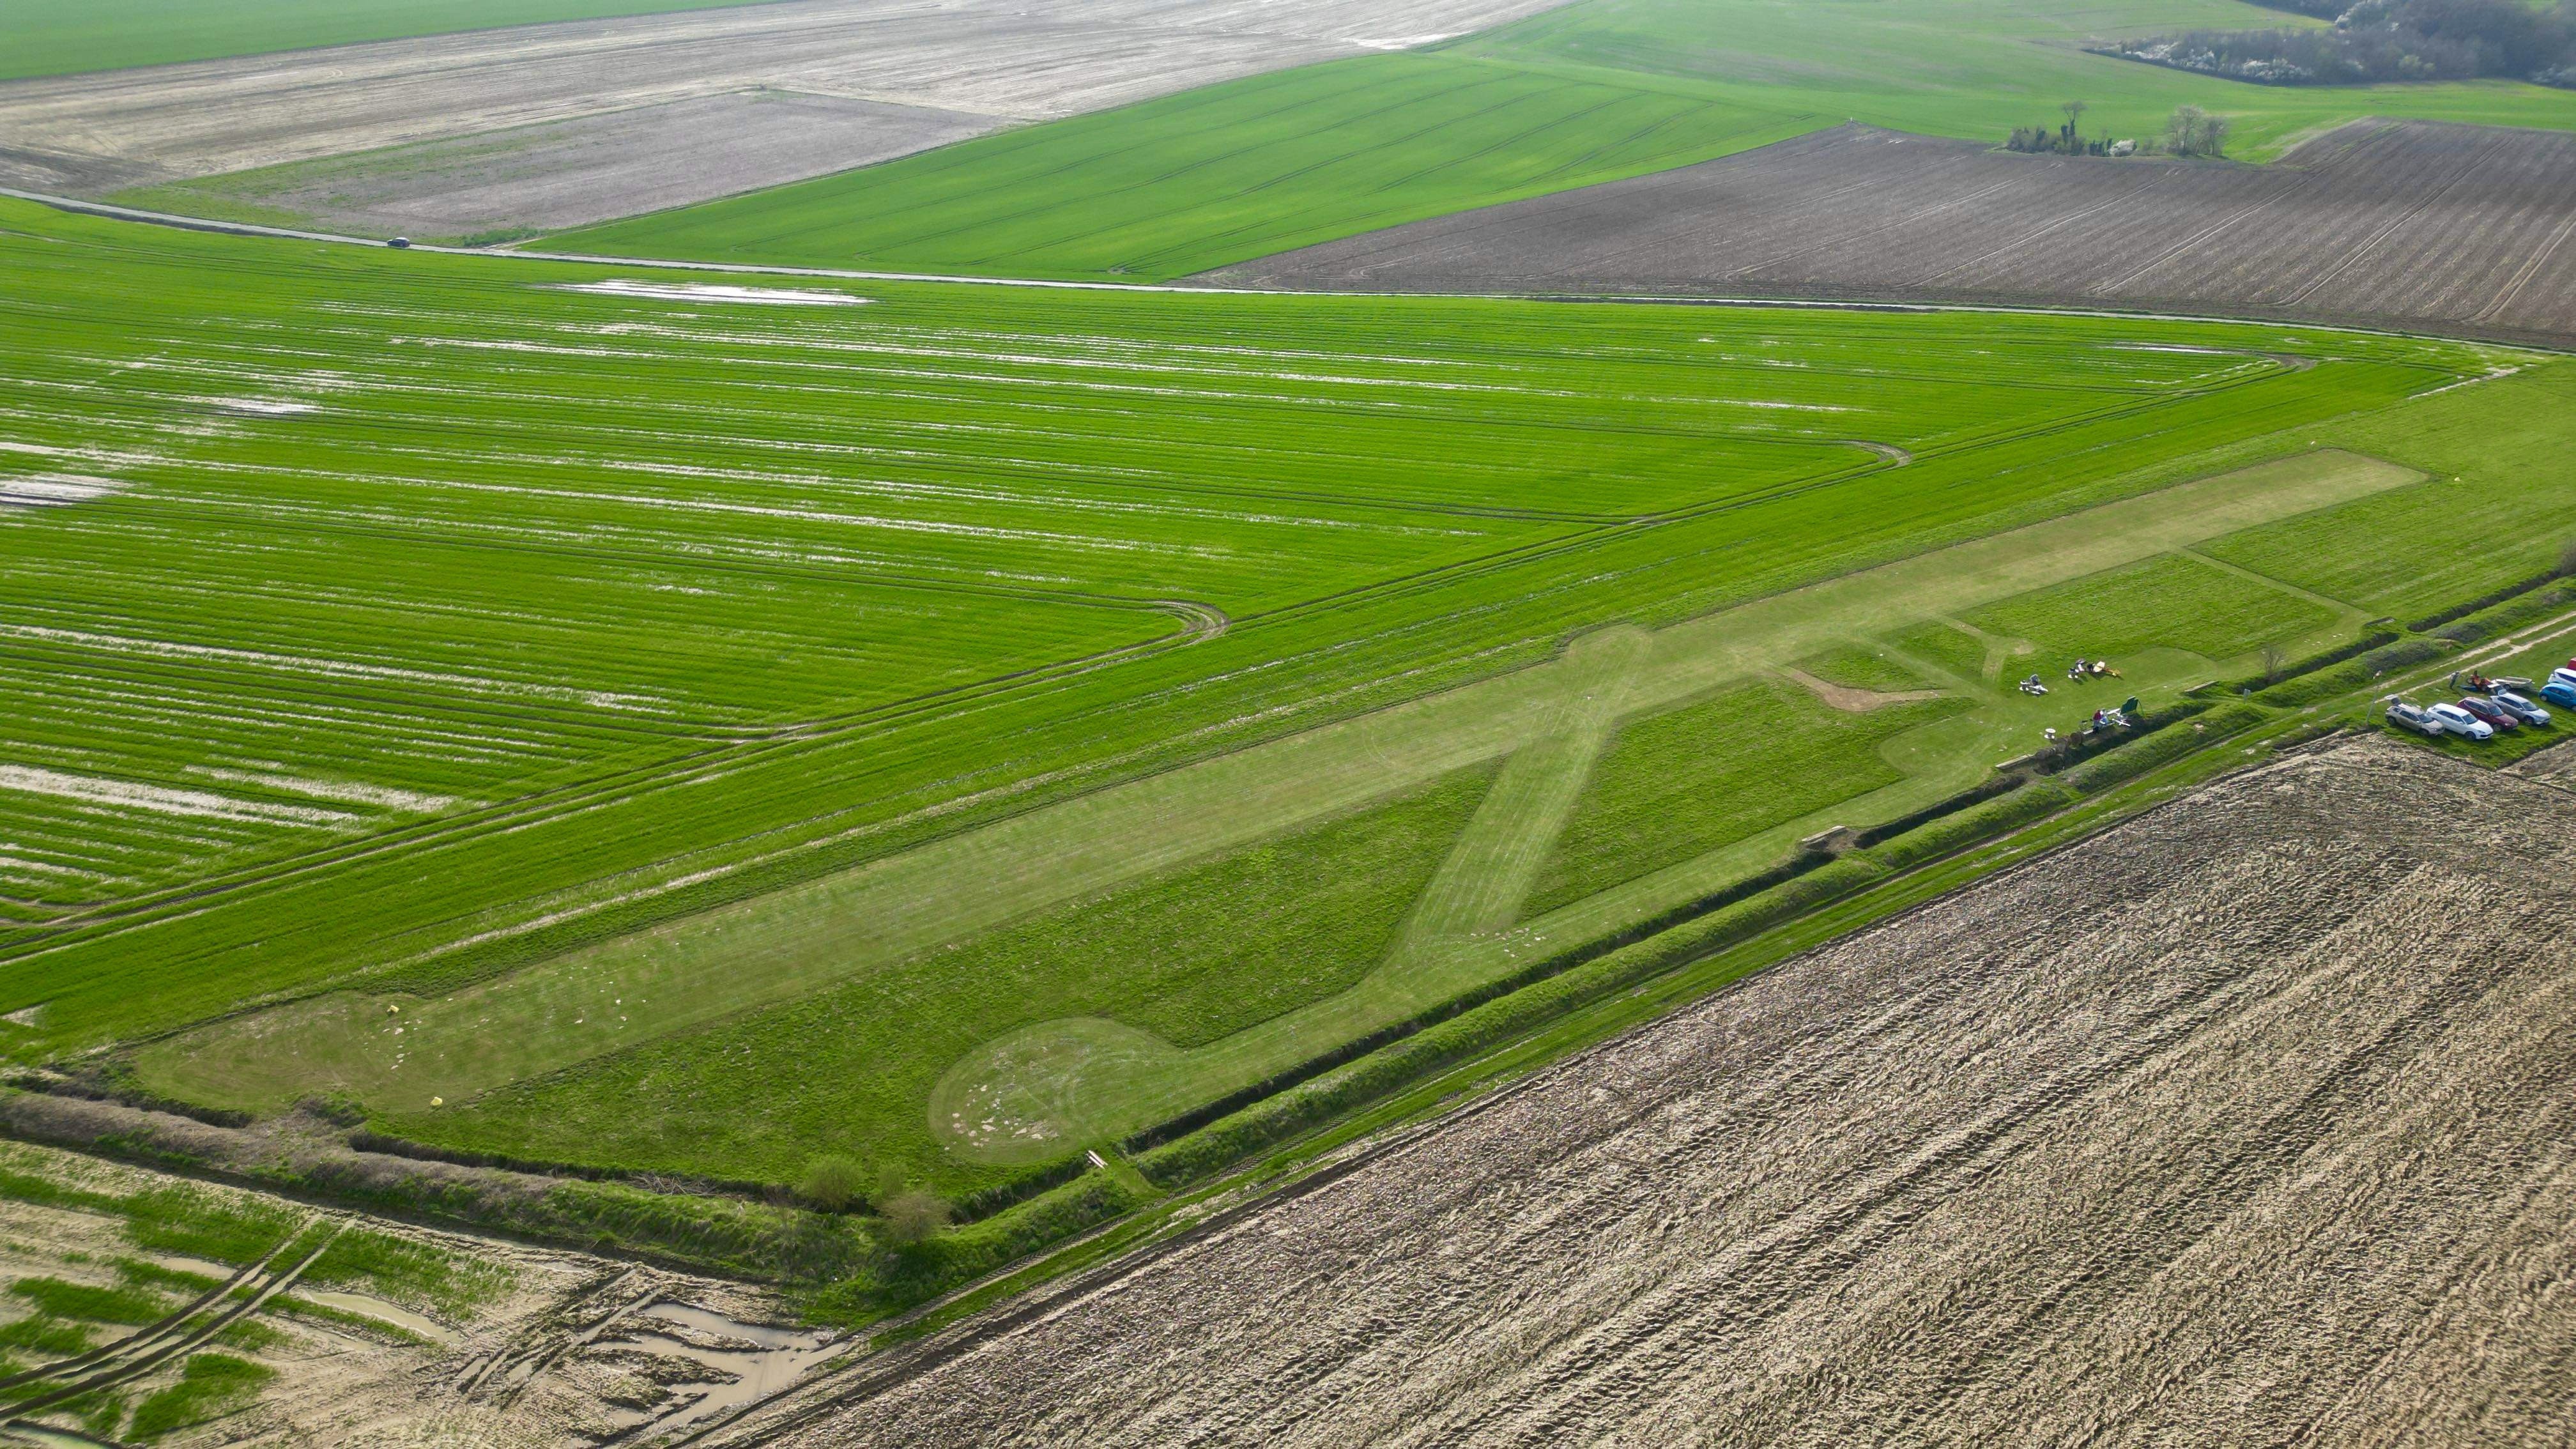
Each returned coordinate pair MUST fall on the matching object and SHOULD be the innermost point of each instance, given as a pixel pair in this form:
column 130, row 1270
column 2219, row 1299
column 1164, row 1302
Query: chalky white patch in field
column 20, row 864
column 338, row 668
column 53, row 490
column 710, row 292
column 260, row 407
column 161, row 800
column 343, row 790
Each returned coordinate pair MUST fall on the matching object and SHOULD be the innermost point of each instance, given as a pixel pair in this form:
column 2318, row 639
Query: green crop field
column 56, row 37
column 1677, row 785
column 1590, row 92
column 699, row 724
column 1220, row 174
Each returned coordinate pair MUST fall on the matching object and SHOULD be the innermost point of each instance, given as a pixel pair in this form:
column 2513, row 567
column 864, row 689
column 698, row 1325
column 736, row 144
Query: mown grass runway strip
column 1585, row 93
column 1028, row 1092
column 737, row 720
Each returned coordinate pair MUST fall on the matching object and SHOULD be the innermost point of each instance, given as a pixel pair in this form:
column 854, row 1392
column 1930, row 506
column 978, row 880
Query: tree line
column 2189, row 131
column 2382, row 40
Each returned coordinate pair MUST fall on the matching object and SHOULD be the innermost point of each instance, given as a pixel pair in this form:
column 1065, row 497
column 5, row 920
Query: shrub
column 830, row 1183
column 914, row 1215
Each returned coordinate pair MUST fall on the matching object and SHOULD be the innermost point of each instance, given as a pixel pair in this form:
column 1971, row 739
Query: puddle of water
column 38, row 1434
column 705, row 292
column 745, row 1375
column 203, row 1268
column 716, row 1325
column 381, row 1311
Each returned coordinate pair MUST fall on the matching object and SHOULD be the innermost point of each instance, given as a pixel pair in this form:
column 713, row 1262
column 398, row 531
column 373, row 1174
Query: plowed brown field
column 2466, row 228
column 2252, row 1121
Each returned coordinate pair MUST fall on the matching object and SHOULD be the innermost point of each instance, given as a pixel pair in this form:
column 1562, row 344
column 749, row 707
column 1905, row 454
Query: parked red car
column 2486, row 710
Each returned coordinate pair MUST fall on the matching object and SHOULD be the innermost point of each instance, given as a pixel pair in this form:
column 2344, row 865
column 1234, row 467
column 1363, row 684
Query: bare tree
column 2191, row 131
column 2272, row 662
column 2074, row 113
column 2567, row 559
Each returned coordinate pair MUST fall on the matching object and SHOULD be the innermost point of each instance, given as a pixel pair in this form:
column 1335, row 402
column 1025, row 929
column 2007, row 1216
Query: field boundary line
column 108, row 212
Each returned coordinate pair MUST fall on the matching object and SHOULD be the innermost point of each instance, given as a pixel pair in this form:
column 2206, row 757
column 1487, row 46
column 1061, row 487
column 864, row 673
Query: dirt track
column 2472, row 228
column 942, row 69
column 2250, row 1122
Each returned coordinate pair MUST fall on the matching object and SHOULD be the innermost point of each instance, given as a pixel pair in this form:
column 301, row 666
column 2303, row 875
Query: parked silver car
column 2413, row 717
column 2519, row 707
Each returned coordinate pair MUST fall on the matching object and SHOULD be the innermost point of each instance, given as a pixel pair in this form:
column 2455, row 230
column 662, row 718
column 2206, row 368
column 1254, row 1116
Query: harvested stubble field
column 143, row 1308
column 2413, row 224
column 555, row 116
column 2242, row 1123
column 734, row 724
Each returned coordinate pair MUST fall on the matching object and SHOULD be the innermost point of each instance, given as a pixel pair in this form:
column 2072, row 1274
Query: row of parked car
column 2501, row 710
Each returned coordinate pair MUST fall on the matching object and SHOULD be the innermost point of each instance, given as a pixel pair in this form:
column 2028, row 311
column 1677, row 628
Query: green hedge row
column 1956, row 832
column 1222, row 1143
column 2163, row 747
column 900, row 1276
column 2504, row 618
column 2354, row 674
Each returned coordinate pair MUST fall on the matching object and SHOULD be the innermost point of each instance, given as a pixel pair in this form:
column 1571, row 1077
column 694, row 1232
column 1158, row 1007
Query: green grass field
column 1685, row 782
column 949, row 725
column 54, row 37
column 1590, row 92
column 1220, row 174
column 2118, row 614
column 1879, row 670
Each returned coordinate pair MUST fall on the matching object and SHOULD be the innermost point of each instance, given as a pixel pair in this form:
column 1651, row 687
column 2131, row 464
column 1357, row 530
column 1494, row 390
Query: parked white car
column 2458, row 721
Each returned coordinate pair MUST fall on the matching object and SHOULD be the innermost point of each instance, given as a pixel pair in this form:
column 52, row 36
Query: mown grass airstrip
column 758, row 650
column 1586, row 93
column 1040, row 1082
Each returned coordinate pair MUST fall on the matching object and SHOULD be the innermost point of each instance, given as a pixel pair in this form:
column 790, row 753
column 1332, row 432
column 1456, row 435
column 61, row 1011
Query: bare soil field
column 2246, row 1122
column 2464, row 228
column 982, row 63
column 2554, row 766
column 570, row 173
